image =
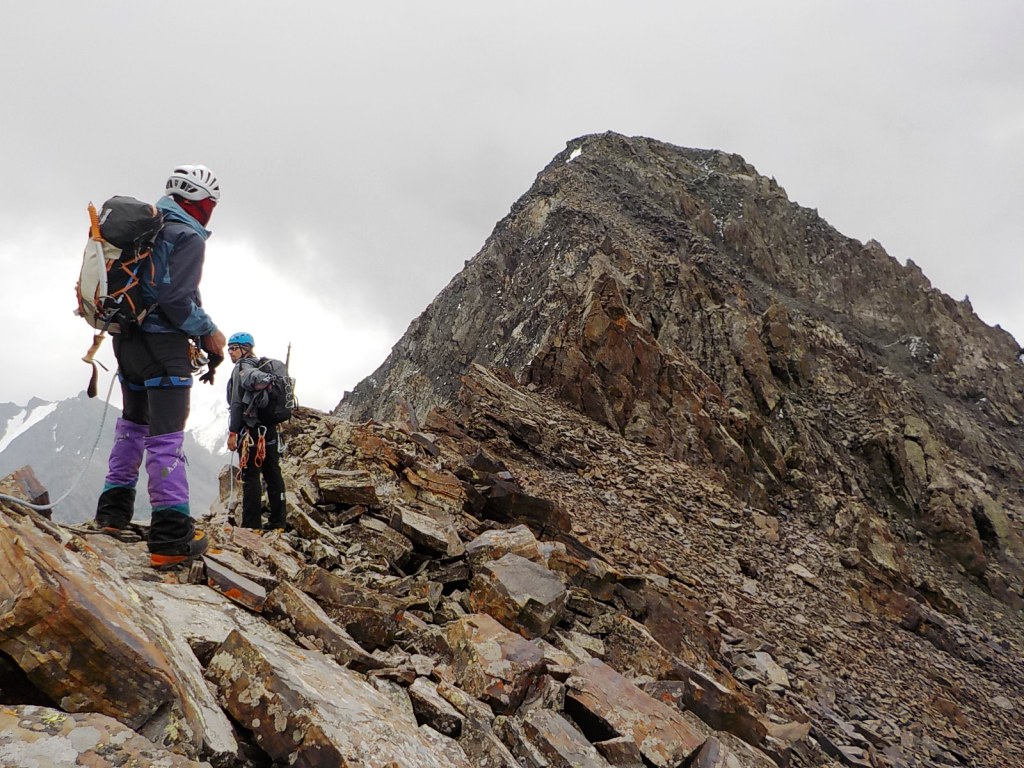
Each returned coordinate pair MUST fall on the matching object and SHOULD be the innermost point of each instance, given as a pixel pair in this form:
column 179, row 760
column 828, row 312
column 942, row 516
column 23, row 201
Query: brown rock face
column 677, row 297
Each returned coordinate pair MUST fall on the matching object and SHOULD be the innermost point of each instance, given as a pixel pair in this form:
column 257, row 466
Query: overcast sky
column 366, row 151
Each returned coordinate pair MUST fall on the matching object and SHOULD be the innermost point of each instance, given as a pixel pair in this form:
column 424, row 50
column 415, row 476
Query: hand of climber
column 211, row 368
column 214, row 343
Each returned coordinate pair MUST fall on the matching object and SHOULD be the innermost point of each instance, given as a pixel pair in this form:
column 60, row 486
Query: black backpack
column 116, row 261
column 268, row 392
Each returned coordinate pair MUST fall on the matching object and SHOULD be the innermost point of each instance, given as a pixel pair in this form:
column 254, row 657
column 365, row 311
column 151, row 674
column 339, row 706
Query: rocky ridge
column 688, row 495
column 679, row 298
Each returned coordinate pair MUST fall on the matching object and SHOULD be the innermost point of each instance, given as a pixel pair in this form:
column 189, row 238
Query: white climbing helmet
column 193, row 182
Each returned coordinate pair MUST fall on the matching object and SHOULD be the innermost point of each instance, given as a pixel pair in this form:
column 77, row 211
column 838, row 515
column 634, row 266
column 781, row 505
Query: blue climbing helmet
column 242, row 338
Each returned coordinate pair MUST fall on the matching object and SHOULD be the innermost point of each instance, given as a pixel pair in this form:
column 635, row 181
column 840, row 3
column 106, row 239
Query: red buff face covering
column 200, row 210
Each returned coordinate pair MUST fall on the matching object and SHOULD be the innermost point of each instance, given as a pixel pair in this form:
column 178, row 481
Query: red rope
column 261, row 447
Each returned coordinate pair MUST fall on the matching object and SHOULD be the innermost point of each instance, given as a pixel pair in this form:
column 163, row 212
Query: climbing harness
column 99, row 435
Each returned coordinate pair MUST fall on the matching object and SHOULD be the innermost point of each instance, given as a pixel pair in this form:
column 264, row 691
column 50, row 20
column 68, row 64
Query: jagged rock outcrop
column 681, row 299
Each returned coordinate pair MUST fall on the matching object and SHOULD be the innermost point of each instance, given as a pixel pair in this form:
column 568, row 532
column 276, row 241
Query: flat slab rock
column 309, row 619
column 234, row 585
column 497, row 542
column 349, row 487
column 600, row 696
column 436, row 534
column 200, row 616
column 559, row 742
column 491, row 662
column 372, row 618
column 305, row 709
column 430, row 707
column 37, row 737
column 379, row 539
column 523, row 595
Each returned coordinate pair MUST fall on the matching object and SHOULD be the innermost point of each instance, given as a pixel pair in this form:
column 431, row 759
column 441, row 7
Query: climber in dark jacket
column 155, row 369
column 257, row 441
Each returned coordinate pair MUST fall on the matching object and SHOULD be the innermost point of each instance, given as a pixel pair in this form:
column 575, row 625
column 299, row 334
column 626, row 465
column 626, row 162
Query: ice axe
column 96, row 240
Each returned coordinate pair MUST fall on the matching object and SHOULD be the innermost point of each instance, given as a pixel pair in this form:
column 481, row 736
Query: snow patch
column 23, row 421
column 575, row 153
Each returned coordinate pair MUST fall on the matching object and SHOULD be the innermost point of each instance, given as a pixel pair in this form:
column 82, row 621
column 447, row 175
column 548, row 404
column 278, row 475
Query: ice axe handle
column 97, row 340
column 88, row 358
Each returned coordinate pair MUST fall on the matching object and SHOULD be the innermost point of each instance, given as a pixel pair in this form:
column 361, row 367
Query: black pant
column 144, row 357
column 252, row 490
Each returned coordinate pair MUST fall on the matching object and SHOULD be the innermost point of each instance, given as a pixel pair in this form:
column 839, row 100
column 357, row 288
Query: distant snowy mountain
column 20, row 421
column 208, row 420
column 66, row 448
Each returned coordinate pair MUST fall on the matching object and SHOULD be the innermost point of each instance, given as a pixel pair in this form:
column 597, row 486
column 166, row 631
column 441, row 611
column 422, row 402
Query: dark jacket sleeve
column 178, row 292
column 235, row 400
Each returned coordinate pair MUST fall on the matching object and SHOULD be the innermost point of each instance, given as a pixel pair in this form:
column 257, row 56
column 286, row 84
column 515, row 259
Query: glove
column 214, row 343
column 211, row 368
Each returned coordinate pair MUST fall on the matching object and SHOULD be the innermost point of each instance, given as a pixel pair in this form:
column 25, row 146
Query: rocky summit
column 672, row 474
